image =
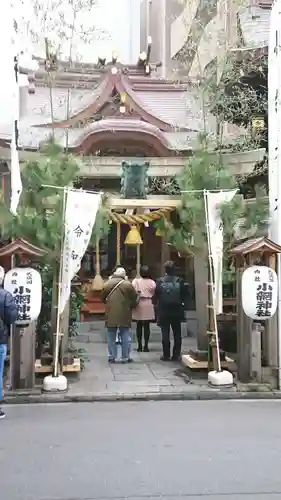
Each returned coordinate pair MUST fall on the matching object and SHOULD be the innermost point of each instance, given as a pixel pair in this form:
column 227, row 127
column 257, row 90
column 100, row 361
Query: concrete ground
column 147, row 378
column 224, row 450
column 147, row 374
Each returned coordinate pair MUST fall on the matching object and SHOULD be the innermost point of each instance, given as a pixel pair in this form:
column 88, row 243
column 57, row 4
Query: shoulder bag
column 113, row 289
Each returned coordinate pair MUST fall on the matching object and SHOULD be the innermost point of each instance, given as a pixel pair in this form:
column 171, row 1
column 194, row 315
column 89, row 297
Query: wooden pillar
column 64, row 330
column 23, row 356
column 15, row 356
column 244, row 330
column 27, row 356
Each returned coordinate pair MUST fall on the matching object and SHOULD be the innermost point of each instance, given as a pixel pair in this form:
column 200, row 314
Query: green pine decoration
column 40, row 212
column 102, row 224
column 40, row 217
column 205, row 171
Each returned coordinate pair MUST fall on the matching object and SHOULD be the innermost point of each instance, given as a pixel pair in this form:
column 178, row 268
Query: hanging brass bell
column 133, row 237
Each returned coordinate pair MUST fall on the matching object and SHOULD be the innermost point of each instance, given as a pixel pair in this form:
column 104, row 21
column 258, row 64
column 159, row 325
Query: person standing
column 144, row 313
column 120, row 298
column 169, row 299
column 8, row 315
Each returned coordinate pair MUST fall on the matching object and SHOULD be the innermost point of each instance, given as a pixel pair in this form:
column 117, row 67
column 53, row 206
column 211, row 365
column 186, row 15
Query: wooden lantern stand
column 23, row 339
column 255, row 251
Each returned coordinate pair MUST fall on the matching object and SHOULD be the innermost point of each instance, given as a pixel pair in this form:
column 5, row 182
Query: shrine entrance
column 150, row 253
column 117, row 248
column 133, row 205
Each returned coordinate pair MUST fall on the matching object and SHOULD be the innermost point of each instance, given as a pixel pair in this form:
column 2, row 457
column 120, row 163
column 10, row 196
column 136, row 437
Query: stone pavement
column 146, row 374
column 147, row 378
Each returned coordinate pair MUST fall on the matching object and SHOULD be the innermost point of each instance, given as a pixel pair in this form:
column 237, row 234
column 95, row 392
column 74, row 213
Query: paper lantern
column 259, row 292
column 25, row 284
column 133, row 237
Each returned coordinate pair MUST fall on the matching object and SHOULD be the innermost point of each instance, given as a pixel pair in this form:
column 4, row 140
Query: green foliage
column 206, row 171
column 102, row 224
column 76, row 302
column 39, row 217
column 40, row 221
column 43, row 326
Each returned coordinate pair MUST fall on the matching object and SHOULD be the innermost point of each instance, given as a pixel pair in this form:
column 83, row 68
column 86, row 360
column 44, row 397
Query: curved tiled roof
column 114, row 82
column 172, row 109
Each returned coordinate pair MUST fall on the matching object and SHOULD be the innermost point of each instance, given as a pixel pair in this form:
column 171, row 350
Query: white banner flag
column 80, row 215
column 214, row 202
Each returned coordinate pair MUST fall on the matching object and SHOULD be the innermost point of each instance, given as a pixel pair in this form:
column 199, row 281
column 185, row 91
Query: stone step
column 96, row 332
column 100, row 337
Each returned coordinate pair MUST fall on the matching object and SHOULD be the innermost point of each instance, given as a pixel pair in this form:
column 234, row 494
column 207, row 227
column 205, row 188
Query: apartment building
column 191, row 34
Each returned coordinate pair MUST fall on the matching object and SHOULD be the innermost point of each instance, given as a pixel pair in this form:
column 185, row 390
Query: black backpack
column 170, row 292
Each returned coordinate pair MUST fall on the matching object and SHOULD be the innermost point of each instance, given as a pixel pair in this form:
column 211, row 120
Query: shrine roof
column 261, row 244
column 21, row 246
column 32, row 137
column 89, row 92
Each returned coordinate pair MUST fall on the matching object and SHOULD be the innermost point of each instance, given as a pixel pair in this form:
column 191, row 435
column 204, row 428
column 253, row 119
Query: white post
column 212, row 280
column 58, row 382
column 219, row 377
column 274, row 156
column 58, row 333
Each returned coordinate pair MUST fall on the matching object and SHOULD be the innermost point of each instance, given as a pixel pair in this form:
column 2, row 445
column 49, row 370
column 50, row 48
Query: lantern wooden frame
column 254, row 251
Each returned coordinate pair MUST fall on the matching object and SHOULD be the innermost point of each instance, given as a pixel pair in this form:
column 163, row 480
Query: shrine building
column 111, row 113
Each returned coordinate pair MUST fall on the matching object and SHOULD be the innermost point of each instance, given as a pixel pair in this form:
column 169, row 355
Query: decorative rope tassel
column 118, row 244
column 97, row 283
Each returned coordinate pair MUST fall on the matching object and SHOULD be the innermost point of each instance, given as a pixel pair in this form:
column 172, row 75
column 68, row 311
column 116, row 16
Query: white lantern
column 259, row 292
column 25, row 284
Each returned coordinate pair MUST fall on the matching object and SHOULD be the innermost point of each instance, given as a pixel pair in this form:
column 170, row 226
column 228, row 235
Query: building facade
column 188, row 35
column 157, row 17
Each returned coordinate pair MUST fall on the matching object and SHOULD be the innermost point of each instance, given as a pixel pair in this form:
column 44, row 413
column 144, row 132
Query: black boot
column 166, row 351
column 139, row 336
column 146, row 337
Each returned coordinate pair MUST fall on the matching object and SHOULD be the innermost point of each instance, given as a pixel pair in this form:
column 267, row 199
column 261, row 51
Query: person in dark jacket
column 8, row 315
column 119, row 297
column 169, row 300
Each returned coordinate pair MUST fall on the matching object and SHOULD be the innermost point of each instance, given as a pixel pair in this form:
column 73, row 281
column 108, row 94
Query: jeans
column 165, row 328
column 119, row 342
column 124, row 334
column 3, row 354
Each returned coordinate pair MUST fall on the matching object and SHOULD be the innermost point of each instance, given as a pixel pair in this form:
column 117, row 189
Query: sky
column 111, row 18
